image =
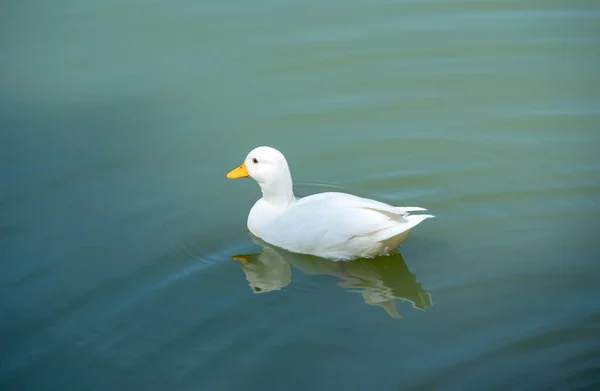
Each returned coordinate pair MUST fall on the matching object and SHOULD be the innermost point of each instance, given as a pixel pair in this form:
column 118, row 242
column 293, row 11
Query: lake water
column 120, row 119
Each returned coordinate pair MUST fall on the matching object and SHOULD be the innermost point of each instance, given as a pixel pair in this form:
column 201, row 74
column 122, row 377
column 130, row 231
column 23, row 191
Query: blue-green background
column 120, row 119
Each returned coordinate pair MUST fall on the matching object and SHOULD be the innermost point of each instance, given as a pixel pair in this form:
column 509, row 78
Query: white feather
column 332, row 225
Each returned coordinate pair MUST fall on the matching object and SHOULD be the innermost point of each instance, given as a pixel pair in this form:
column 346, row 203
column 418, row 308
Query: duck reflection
column 381, row 281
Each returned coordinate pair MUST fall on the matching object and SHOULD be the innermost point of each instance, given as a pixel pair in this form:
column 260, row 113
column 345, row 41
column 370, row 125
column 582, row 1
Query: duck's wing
column 352, row 201
column 330, row 221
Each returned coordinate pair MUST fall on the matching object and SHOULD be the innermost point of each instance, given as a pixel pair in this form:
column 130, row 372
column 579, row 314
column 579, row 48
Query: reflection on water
column 381, row 281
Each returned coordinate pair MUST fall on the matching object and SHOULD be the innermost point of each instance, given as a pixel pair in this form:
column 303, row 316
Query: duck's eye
column 254, row 160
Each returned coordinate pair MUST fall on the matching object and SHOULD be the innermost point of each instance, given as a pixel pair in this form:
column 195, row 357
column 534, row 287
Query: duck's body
column 336, row 226
column 333, row 225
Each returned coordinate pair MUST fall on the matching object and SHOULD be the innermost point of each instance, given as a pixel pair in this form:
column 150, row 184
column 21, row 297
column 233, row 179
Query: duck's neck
column 279, row 191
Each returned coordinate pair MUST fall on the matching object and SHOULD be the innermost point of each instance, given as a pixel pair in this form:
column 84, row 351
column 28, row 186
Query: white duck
column 332, row 225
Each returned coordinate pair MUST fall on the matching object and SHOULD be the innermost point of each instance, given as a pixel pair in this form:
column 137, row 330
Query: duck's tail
column 413, row 220
column 406, row 209
column 397, row 234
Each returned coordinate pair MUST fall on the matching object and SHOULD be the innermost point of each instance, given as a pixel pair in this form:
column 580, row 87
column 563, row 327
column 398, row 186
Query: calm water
column 120, row 119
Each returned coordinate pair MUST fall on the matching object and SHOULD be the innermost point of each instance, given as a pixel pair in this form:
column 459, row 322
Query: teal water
column 119, row 121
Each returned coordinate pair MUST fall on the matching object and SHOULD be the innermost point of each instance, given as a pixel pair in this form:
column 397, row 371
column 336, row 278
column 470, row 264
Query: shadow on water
column 381, row 281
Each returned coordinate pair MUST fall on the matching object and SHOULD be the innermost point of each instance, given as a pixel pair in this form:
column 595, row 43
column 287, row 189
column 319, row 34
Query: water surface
column 119, row 121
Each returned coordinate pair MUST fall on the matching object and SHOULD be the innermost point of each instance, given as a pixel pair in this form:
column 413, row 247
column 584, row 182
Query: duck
column 332, row 225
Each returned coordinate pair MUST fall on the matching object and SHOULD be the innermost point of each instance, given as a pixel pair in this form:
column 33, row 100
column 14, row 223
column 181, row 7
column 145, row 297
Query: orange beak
column 242, row 260
column 239, row 172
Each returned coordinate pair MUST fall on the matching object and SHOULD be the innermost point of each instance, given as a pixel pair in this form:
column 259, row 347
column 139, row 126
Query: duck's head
column 263, row 164
column 270, row 169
